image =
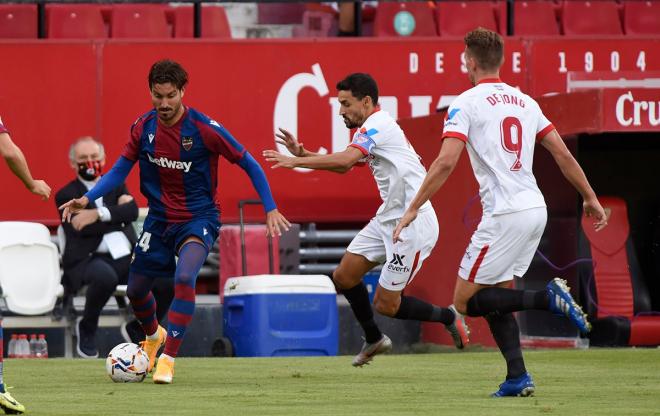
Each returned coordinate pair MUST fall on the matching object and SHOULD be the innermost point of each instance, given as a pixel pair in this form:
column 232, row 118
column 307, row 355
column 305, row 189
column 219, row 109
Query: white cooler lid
column 278, row 283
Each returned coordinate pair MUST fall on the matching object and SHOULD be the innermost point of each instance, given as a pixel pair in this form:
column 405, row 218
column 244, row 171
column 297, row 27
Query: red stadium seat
column 322, row 20
column 214, row 22
column 618, row 301
column 139, row 21
column 456, row 18
column 18, row 21
column 591, row 18
column 392, row 19
column 641, row 17
column 280, row 13
column 535, row 17
column 82, row 21
column 316, row 24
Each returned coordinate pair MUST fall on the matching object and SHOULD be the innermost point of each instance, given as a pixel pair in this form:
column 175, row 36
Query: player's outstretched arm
column 437, row 175
column 339, row 162
column 275, row 221
column 18, row 165
column 575, row 175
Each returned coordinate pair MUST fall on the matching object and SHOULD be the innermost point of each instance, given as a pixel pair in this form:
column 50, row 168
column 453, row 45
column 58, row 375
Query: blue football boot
column 562, row 303
column 522, row 386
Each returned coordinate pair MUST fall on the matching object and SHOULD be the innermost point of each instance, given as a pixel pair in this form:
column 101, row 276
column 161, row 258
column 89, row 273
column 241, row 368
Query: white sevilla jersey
column 500, row 126
column 393, row 161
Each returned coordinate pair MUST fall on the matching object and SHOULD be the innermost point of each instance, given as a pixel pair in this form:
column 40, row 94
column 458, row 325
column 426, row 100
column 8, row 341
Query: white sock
column 167, row 356
column 153, row 336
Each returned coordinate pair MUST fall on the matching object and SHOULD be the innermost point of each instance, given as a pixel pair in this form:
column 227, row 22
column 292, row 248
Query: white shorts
column 403, row 259
column 503, row 246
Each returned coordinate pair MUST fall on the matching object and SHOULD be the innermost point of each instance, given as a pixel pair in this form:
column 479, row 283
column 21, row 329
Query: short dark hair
column 165, row 71
column 360, row 85
column 486, row 47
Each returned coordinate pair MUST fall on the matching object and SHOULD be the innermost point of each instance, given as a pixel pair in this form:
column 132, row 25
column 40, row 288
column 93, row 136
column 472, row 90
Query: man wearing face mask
column 99, row 240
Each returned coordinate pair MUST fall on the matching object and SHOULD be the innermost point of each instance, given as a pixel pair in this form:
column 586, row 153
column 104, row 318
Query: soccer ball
column 127, row 363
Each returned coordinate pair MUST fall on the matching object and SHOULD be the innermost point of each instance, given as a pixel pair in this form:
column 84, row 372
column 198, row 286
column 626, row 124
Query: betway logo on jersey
column 396, row 264
column 164, row 162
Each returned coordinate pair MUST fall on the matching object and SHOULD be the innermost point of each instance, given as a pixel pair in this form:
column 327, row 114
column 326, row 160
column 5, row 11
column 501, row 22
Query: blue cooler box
column 281, row 315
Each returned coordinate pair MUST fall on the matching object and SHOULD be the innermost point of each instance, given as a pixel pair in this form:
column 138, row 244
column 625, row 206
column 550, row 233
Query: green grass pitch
column 568, row 382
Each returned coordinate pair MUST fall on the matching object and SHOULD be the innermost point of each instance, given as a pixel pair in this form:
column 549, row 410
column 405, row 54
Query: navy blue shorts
column 159, row 244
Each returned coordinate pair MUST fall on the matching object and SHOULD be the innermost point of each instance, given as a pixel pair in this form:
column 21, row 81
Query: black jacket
column 80, row 245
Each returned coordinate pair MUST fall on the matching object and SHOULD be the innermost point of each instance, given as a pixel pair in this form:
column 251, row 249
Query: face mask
column 89, row 170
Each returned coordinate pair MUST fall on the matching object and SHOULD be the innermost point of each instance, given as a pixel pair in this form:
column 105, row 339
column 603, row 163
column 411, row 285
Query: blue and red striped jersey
column 178, row 164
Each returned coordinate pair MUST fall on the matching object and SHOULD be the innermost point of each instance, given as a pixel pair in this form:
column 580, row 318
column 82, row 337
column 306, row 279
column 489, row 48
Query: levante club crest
column 187, row 142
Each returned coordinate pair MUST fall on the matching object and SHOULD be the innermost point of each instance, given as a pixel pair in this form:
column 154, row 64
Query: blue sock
column 191, row 260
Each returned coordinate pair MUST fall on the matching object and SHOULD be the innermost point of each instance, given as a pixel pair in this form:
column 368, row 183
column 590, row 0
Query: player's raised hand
column 289, row 140
column 592, row 208
column 275, row 223
column 41, row 188
column 279, row 160
column 408, row 217
column 72, row 207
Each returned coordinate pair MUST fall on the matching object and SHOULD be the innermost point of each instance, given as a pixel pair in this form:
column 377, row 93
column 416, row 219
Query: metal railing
column 322, row 250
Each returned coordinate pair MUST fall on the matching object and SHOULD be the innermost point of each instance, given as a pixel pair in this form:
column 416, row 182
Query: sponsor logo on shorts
column 396, row 264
